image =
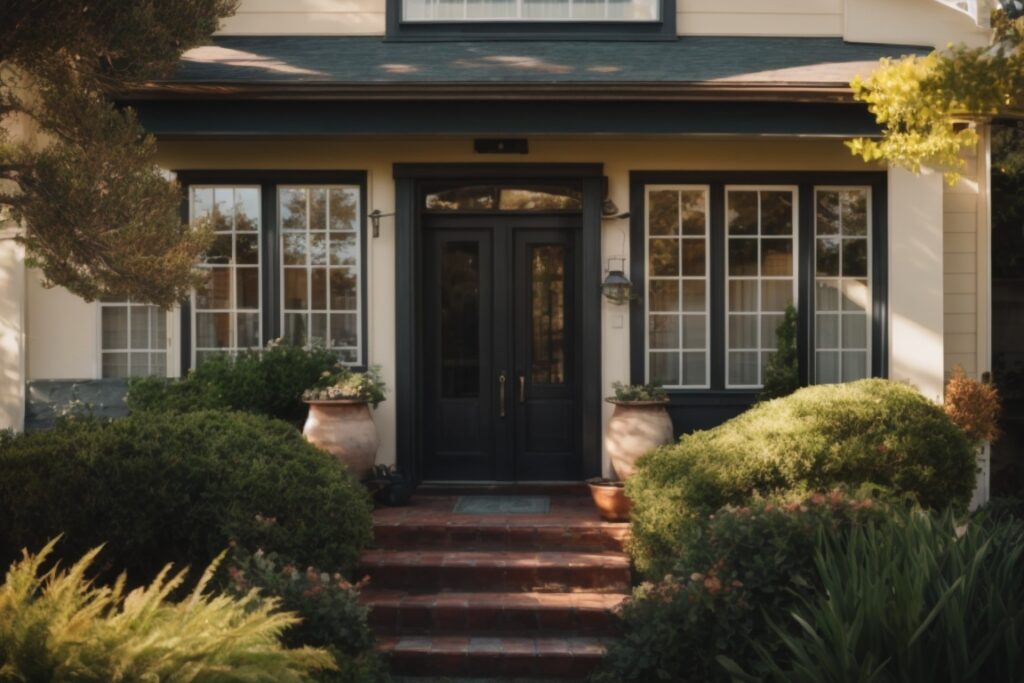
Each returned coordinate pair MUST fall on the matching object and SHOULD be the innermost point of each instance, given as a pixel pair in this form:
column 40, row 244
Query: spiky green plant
column 56, row 625
column 918, row 599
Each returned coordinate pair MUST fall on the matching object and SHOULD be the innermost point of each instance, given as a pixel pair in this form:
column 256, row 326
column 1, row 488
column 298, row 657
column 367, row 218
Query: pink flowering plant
column 737, row 568
column 328, row 603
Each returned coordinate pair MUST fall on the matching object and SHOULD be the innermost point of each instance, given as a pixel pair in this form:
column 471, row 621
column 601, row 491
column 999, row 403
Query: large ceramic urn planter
column 636, row 427
column 345, row 429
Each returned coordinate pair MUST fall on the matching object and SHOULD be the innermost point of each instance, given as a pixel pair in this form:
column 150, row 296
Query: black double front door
column 500, row 366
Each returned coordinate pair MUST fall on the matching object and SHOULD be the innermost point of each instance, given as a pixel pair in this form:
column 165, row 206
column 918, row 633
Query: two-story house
column 440, row 188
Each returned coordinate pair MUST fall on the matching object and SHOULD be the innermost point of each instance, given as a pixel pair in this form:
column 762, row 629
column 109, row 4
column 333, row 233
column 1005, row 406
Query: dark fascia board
column 498, row 171
column 636, row 91
column 242, row 118
column 664, row 28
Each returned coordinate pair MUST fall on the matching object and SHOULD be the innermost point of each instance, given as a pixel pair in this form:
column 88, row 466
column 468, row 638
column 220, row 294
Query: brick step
column 508, row 571
column 485, row 534
column 400, row 612
column 506, row 656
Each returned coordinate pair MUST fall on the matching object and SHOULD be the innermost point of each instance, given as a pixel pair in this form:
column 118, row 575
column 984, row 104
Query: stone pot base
column 610, row 499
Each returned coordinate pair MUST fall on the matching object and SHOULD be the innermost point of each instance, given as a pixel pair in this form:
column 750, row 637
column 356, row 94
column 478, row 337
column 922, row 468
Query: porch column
column 12, row 329
column 916, row 280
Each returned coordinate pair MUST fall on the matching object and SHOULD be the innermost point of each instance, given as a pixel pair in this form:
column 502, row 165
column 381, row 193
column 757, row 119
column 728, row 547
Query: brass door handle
column 522, row 389
column 502, row 379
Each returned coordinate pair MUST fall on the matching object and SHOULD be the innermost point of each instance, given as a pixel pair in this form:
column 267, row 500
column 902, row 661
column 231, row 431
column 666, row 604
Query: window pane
column 694, row 218
column 296, row 292
column 776, row 295
column 695, row 369
column 529, row 10
column 159, row 321
column 248, row 331
column 220, row 250
column 115, row 365
column 769, row 331
column 694, row 332
column 293, row 208
column 742, row 212
column 318, row 289
column 460, row 316
column 693, row 257
column 318, row 208
column 547, row 314
column 318, row 329
column 344, row 249
column 247, row 208
column 743, row 332
column 664, row 295
column 742, row 257
column 247, row 287
column 743, row 296
column 216, row 294
column 140, row 327
column 694, row 296
column 296, row 328
column 743, row 370
column 776, row 257
column 295, row 246
column 344, row 209
column 776, row 213
column 318, row 249
column 344, row 330
column 842, row 339
column 213, row 330
column 664, row 212
column 158, row 364
column 540, row 199
column 664, row 369
column 344, row 290
column 664, row 257
column 202, row 202
column 115, row 327
column 247, row 249
column 663, row 332
column 138, row 364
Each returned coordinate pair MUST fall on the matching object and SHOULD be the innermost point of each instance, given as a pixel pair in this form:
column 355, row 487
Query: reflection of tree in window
column 548, row 315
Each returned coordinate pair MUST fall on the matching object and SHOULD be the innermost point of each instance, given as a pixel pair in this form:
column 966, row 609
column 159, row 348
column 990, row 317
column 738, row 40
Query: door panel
column 500, row 354
column 545, row 306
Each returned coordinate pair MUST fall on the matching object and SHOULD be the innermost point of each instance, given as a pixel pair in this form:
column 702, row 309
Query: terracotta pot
column 344, row 429
column 610, row 500
column 636, row 427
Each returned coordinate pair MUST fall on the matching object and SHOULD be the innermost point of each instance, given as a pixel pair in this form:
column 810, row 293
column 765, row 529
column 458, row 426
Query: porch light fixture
column 375, row 217
column 616, row 286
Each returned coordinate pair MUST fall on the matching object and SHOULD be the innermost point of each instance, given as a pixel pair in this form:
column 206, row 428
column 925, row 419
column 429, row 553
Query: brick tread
column 497, row 613
column 501, row 656
column 482, row 559
column 483, row 534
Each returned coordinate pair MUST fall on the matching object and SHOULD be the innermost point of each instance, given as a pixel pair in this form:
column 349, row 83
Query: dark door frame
column 409, row 276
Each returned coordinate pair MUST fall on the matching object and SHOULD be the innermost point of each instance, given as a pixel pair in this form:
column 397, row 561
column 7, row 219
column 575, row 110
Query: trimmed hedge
column 160, row 488
column 874, row 432
column 265, row 382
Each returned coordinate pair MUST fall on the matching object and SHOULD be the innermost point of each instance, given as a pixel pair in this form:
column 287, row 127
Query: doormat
column 503, row 505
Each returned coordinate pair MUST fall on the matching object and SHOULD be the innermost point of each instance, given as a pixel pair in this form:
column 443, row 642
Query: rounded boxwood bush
column 869, row 432
column 166, row 487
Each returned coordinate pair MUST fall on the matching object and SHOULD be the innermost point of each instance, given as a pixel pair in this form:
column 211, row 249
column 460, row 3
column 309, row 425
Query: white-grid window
column 761, row 246
column 133, row 339
column 842, row 292
column 320, row 267
column 676, row 305
column 226, row 310
column 530, row 10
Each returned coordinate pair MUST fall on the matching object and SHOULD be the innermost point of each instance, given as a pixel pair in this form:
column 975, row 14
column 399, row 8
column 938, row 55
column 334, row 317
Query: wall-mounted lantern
column 616, row 286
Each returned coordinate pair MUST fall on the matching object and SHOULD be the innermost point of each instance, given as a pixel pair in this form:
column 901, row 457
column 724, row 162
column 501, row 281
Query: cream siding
column 915, row 22
column 965, row 265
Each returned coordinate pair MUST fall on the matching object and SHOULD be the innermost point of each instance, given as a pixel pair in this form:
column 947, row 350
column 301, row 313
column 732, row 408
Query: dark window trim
column 717, row 180
column 664, row 28
column 409, row 181
column 269, row 180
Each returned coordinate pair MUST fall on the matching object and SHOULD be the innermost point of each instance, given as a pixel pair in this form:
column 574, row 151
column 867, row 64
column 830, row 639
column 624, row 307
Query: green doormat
column 503, row 505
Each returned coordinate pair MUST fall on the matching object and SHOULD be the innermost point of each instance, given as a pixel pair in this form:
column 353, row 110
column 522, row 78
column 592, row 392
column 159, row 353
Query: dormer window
column 541, row 19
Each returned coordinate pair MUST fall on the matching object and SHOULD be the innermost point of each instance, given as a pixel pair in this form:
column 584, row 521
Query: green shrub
column 734, row 568
column 868, row 432
column 782, row 373
column 332, row 616
column 166, row 487
column 57, row 626
column 266, row 382
column 916, row 600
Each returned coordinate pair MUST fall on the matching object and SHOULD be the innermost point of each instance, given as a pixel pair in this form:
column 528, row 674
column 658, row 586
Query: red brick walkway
column 495, row 595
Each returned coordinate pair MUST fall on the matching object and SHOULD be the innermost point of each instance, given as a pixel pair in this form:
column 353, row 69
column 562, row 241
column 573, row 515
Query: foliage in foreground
column 332, row 616
column 920, row 100
column 266, row 382
column 874, row 432
column 57, row 626
column 735, row 569
column 165, row 487
column 101, row 218
column 914, row 600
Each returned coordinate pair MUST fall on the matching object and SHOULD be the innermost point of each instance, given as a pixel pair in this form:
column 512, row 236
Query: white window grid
column 348, row 354
column 841, row 281
column 762, row 348
column 681, row 279
column 143, row 360
column 426, row 11
column 232, row 311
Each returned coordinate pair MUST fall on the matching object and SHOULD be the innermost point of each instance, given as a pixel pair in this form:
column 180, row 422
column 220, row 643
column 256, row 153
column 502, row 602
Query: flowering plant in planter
column 344, row 384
